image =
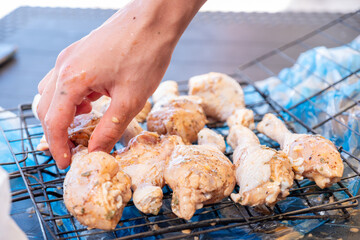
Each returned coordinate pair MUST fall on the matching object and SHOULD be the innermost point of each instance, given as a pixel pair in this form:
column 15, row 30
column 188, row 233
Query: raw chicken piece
column 209, row 137
column 79, row 131
column 166, row 89
column 243, row 116
column 101, row 105
column 35, row 104
column 141, row 117
column 95, row 189
column 198, row 175
column 132, row 130
column 43, row 145
column 314, row 157
column 182, row 116
column 144, row 161
column 263, row 174
column 221, row 94
column 82, row 127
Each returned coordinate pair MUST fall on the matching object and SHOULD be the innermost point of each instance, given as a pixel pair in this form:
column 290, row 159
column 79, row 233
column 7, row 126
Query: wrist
column 164, row 19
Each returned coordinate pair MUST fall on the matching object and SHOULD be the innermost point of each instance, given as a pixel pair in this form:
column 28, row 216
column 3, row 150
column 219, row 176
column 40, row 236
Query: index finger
column 60, row 115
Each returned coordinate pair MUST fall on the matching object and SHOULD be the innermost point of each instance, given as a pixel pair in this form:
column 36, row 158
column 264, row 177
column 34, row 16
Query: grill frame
column 40, row 191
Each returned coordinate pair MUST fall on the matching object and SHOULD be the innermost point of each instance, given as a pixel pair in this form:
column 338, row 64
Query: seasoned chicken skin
column 209, row 137
column 144, row 161
column 101, row 105
column 198, row 175
column 242, row 116
column 82, row 127
column 95, row 189
column 141, row 116
column 182, row 116
column 166, row 89
column 79, row 131
column 221, row 94
column 264, row 175
column 314, row 157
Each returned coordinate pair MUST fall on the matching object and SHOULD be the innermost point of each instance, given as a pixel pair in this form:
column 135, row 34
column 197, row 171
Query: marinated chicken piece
column 181, row 116
column 166, row 89
column 131, row 131
column 264, row 175
column 35, row 104
column 314, row 157
column 209, row 137
column 198, row 175
column 79, row 131
column 243, row 116
column 144, row 161
column 83, row 126
column 221, row 94
column 141, row 117
column 101, row 105
column 95, row 189
column 43, row 145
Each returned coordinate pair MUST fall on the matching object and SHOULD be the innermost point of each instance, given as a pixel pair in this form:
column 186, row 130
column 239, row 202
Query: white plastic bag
column 8, row 228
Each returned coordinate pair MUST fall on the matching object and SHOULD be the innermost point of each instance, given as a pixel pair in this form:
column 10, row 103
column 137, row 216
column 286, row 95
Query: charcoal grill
column 43, row 180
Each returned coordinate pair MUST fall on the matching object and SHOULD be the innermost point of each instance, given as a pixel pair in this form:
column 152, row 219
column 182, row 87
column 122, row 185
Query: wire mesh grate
column 43, row 180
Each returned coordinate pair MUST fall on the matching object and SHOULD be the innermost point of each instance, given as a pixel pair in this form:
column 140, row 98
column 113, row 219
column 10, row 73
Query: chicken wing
column 144, row 161
column 182, row 116
column 314, row 157
column 221, row 94
column 209, row 137
column 264, row 175
column 95, row 189
column 198, row 175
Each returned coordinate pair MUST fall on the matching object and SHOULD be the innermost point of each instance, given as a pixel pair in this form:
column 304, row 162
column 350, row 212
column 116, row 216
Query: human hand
column 125, row 59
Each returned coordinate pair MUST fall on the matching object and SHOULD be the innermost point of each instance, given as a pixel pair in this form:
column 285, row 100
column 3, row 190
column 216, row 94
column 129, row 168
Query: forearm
column 161, row 19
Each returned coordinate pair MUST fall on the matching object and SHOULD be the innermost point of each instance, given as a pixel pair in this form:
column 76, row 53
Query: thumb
column 111, row 126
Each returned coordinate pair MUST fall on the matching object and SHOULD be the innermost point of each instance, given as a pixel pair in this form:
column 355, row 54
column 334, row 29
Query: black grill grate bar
column 39, row 190
column 325, row 89
column 272, row 74
column 293, row 61
column 301, row 39
column 333, row 39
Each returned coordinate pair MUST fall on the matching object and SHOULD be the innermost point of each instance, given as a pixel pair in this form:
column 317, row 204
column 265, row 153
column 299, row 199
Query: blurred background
column 211, row 5
column 224, row 35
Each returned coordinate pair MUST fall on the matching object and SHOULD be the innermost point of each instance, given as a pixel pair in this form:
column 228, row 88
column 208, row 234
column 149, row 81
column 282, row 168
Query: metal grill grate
column 43, row 180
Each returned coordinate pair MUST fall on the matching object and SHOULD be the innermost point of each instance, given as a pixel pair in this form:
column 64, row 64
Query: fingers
column 56, row 111
column 44, row 81
column 111, row 126
column 84, row 107
column 45, row 100
column 60, row 115
column 94, row 96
